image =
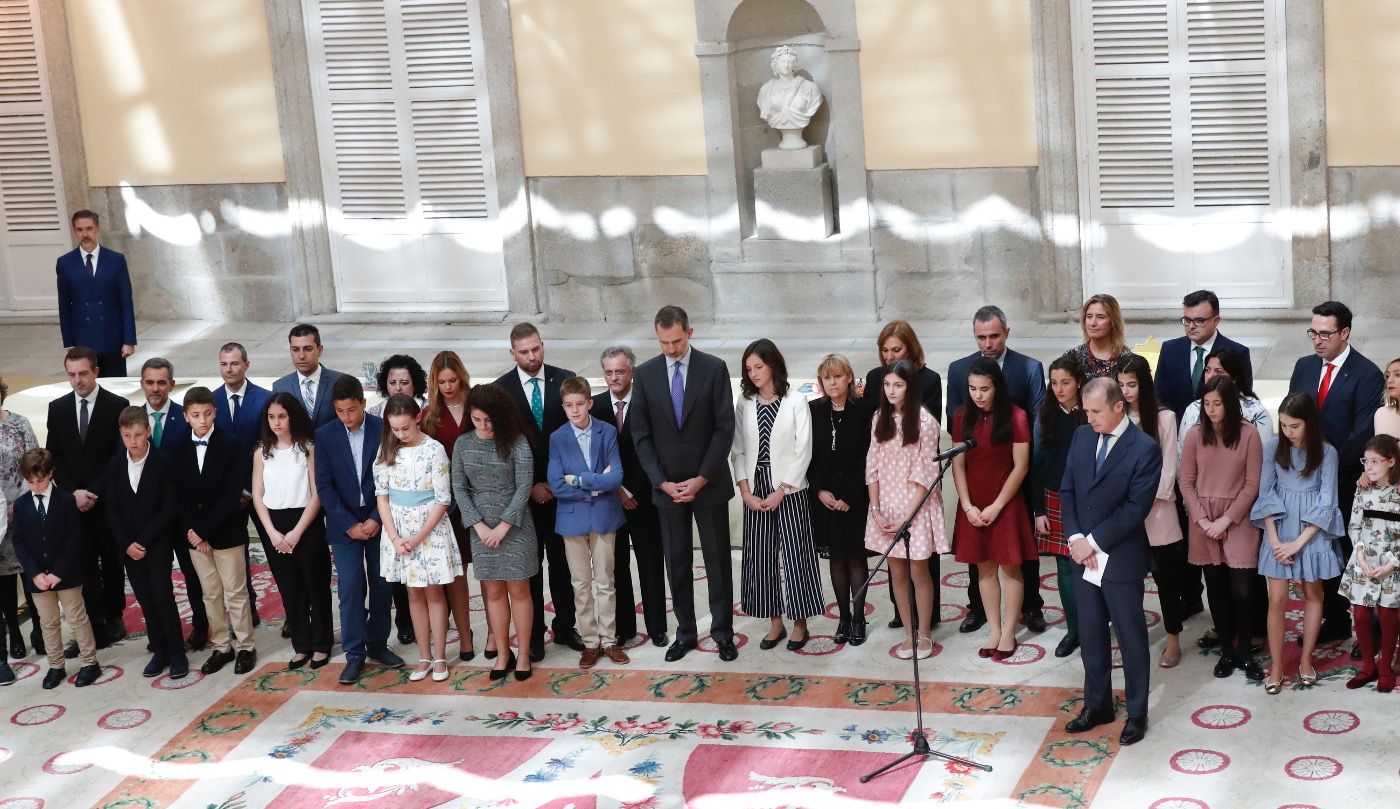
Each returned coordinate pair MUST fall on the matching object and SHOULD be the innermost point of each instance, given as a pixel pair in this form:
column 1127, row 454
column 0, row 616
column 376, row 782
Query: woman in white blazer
column 772, row 448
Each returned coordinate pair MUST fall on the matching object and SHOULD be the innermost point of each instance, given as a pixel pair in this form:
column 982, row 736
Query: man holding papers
column 1110, row 480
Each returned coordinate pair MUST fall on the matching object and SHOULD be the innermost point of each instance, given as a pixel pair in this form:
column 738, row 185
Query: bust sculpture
column 788, row 101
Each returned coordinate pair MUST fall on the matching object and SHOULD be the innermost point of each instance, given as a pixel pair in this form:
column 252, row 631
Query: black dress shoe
column 1225, row 666
column 623, row 640
column 843, row 631
column 54, row 677
column 352, row 671
column 286, row 630
column 1252, row 669
column 500, row 674
column 17, row 650
column 1134, row 730
column 1035, row 621
column 71, row 650
column 387, row 659
column 116, row 632
column 157, row 665
column 728, row 652
column 569, row 638
column 217, row 660
column 246, row 661
column 659, row 639
column 678, row 650
column 972, row 623
column 536, row 650
column 406, row 636
column 769, row 643
column 1088, row 720
column 87, row 675
column 1067, row 646
column 7, row 674
column 896, row 622
column 199, row 638
column 858, row 632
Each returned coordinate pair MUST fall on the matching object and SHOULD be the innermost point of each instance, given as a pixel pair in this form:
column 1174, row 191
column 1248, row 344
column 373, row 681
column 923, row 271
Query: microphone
column 955, row 450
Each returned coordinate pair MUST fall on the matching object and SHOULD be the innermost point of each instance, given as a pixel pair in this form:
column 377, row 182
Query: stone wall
column 1365, row 226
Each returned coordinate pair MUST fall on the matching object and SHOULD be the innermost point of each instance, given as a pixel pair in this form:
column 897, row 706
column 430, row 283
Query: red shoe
column 1363, row 677
column 1386, row 683
column 986, row 652
column 1001, row 655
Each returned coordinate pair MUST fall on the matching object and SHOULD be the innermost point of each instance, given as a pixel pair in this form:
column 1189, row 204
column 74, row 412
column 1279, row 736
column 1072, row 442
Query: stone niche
column 760, row 271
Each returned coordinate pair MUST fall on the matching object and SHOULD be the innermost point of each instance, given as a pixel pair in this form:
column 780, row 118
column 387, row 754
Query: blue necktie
column 677, row 392
column 1103, row 453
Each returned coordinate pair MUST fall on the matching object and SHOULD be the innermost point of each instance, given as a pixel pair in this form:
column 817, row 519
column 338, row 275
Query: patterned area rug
column 775, row 728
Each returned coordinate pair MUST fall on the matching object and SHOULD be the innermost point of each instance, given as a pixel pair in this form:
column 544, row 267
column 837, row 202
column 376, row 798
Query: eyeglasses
column 1375, row 461
column 1197, row 321
column 1323, row 335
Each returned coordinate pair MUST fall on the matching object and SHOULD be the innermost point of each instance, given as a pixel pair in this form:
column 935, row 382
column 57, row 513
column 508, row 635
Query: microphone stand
column 920, row 739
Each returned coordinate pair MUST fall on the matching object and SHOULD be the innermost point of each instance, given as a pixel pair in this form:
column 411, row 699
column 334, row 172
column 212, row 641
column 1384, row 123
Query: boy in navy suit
column 585, row 472
column 48, row 543
column 141, row 512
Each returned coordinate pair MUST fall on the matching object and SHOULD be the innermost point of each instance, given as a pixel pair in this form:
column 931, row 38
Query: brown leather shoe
column 616, row 655
column 589, row 658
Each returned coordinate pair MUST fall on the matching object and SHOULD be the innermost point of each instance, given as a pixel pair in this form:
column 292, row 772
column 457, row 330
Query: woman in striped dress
column 772, row 448
column 1060, row 416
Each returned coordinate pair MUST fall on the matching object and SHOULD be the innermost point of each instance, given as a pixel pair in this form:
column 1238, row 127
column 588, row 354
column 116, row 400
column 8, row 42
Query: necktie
column 1103, row 453
column 621, row 412
column 309, row 397
column 159, row 428
column 1325, row 386
column 92, row 271
column 199, row 443
column 677, row 392
column 43, row 512
column 537, row 403
column 233, row 411
column 1199, row 369
column 82, row 419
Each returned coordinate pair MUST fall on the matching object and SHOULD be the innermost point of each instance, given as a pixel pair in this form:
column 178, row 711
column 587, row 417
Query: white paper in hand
column 1094, row 575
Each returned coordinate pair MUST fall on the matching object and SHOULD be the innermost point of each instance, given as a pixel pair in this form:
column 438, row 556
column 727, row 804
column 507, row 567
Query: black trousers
column 555, row 565
column 1031, row 601
column 150, row 581
column 679, row 544
column 113, row 364
column 104, row 575
column 1193, row 585
column 304, row 579
column 1336, row 609
column 1231, row 596
column 403, row 621
column 1171, row 578
column 642, row 535
column 194, row 591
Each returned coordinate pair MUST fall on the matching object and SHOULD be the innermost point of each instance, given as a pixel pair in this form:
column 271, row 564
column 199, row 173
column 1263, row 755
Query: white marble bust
column 788, row 101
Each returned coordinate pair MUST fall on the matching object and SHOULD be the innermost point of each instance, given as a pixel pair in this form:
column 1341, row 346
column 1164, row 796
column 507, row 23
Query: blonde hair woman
column 1105, row 338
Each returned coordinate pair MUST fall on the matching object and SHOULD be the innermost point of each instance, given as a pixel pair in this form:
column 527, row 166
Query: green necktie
column 159, row 429
column 1198, row 370
column 537, row 403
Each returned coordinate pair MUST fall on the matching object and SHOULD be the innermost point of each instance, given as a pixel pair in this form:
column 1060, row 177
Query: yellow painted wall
column 1362, row 63
column 175, row 91
column 947, row 83
column 608, row 87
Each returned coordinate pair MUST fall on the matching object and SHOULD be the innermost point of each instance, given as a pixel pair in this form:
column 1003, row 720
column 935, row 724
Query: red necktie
column 621, row 406
column 1325, row 386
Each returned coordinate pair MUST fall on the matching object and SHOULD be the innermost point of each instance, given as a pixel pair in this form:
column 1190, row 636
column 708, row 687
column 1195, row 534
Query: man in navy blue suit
column 1182, row 363
column 1025, row 385
column 311, row 382
column 1348, row 388
column 238, row 407
column 1110, row 481
column 166, row 418
column 345, row 452
column 94, row 298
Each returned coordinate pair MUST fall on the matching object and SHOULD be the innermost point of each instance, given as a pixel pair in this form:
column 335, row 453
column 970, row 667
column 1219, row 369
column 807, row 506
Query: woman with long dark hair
column 1060, row 416
column 1224, row 362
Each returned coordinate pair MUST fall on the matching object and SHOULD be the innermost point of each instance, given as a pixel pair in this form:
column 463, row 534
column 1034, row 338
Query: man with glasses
column 1181, row 366
column 1348, row 389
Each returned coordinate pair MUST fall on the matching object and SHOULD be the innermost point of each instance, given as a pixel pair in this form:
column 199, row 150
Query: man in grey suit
column 311, row 382
column 683, row 425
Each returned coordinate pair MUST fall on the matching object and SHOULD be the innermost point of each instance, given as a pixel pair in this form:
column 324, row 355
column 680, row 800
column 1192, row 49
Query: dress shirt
column 47, row 494
column 626, row 404
column 1001, row 359
column 525, row 379
column 1340, row 359
column 315, row 379
column 241, row 393
column 91, row 399
column 201, row 449
column 685, row 368
column 585, row 444
column 95, row 250
column 1112, row 439
column 357, row 453
column 135, row 468
column 151, row 416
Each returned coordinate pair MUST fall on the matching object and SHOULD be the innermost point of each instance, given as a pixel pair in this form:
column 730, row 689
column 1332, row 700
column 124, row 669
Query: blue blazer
column 96, row 312
column 325, row 408
column 53, row 545
column 1025, row 384
column 173, row 431
column 248, row 426
column 340, row 483
column 1112, row 505
column 1173, row 377
column 1348, row 415
column 581, row 512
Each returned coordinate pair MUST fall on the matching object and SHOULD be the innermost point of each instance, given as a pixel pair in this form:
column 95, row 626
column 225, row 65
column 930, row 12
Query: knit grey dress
column 489, row 489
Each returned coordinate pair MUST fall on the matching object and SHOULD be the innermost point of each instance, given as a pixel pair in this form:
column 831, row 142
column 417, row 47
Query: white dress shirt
column 1336, row 363
column 135, row 468
column 241, row 393
column 1112, row 439
column 685, row 367
column 91, row 399
column 315, row 380
column 200, row 450
column 94, row 254
column 151, row 416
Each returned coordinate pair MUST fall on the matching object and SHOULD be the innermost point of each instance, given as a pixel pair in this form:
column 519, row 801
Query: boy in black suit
column 48, row 542
column 208, row 473
column 141, row 512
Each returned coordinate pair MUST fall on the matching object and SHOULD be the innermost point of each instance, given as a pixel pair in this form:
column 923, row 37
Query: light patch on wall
column 1362, row 71
column 174, row 92
column 608, row 87
column 947, row 83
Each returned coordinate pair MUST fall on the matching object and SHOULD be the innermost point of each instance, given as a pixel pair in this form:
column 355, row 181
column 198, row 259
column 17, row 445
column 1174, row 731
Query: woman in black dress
column 840, row 441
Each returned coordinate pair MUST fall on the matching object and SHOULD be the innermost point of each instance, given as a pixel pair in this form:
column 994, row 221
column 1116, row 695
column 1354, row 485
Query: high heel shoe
column 416, row 675
column 525, row 675
column 439, row 676
column 857, row 632
column 500, row 674
column 467, row 656
column 1307, row 680
column 489, row 654
column 843, row 631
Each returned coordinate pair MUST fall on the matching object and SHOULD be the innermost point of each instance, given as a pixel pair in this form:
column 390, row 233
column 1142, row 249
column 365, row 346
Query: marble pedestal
column 793, row 204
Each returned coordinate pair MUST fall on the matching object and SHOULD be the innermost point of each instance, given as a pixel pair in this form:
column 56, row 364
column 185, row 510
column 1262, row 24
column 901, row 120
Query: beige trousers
column 51, row 625
column 591, row 568
column 224, row 576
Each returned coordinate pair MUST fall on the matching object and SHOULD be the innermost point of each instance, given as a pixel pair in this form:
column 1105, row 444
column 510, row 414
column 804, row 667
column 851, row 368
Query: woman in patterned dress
column 1371, row 581
column 413, row 485
column 1060, row 416
column 898, row 470
column 1105, row 338
column 16, row 438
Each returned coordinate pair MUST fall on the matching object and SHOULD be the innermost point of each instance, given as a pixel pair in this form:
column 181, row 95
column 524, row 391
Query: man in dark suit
column 238, row 407
column 1348, row 388
column 1182, row 363
column 1110, row 482
column 311, row 382
column 642, row 533
column 535, row 387
column 683, row 428
column 94, row 298
column 345, row 452
column 141, row 511
column 1025, row 386
column 167, row 418
column 82, row 435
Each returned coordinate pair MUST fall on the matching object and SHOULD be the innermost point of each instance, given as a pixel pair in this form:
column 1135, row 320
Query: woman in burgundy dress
column 992, row 524
column 445, row 419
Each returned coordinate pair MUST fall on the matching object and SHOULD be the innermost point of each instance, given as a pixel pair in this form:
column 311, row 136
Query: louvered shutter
column 1181, row 122
column 403, row 122
column 35, row 222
